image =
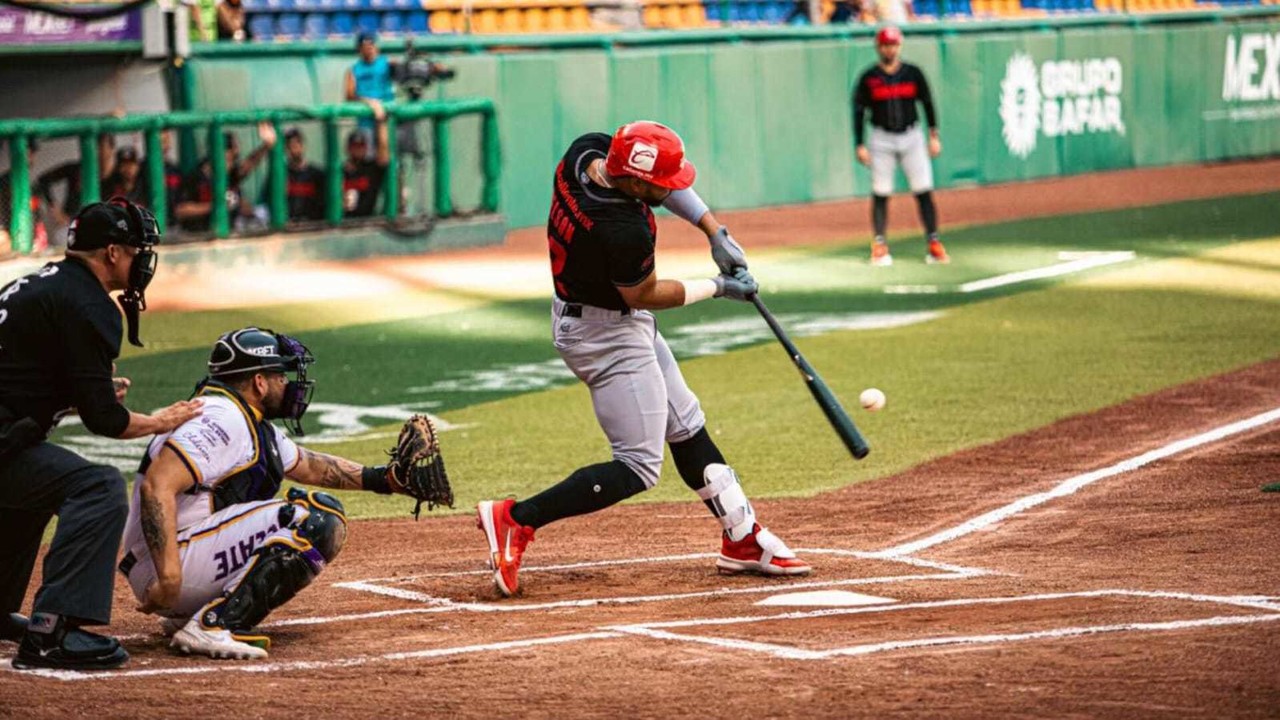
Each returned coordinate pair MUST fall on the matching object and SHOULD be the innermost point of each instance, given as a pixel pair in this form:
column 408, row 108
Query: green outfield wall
column 769, row 122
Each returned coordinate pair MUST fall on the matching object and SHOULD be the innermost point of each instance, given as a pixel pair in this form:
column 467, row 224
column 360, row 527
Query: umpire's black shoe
column 12, row 627
column 69, row 649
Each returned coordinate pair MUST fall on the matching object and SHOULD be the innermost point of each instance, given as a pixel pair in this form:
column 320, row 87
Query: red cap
column 889, row 35
column 650, row 151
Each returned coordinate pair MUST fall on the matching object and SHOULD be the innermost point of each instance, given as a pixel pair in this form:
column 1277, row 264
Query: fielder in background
column 890, row 90
column 208, row 546
column 601, row 234
column 59, row 335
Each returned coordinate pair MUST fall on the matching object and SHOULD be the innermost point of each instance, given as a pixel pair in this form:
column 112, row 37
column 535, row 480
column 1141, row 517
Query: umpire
column 59, row 335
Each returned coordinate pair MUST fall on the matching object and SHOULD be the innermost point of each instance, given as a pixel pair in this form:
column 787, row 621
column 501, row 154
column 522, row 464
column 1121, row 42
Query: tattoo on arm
column 153, row 525
column 328, row 471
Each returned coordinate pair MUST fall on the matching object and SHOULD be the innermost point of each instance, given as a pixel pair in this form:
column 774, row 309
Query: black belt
column 126, row 563
column 575, row 310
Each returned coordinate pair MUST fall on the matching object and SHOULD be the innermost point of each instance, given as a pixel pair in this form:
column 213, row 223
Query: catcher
column 208, row 546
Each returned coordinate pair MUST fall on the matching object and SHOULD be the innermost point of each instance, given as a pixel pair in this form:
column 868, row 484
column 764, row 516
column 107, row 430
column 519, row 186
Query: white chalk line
column 440, row 604
column 277, row 667
column 546, row 568
column 792, row 653
column 1080, row 263
column 1071, row 485
column 657, row 631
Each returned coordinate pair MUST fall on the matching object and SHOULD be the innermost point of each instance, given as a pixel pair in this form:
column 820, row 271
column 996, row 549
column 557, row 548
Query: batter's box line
column 658, row 631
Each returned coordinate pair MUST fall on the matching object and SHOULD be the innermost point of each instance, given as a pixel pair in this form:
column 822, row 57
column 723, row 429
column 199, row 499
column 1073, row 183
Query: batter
column 601, row 234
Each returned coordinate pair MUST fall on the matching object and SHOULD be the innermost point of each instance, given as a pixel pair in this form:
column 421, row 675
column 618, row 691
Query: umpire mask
column 120, row 222
column 252, row 350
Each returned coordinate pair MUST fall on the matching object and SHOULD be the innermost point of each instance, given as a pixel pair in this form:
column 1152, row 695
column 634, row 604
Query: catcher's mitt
column 416, row 467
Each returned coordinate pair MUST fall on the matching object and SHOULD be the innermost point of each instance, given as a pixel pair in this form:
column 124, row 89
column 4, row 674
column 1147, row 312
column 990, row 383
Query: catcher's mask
column 254, row 350
column 121, row 222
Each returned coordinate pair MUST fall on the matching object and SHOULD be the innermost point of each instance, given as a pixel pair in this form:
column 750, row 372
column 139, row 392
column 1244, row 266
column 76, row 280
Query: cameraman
column 370, row 80
column 59, row 335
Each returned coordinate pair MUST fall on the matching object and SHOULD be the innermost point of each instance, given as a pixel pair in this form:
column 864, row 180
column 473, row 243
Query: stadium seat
column 391, row 23
column 442, row 21
column 694, row 15
column 579, row 19
column 261, row 26
column 315, row 26
column 278, row 4
column 557, row 19
column 484, row 21
column 511, row 20
column 417, row 22
column 289, row 26
column 367, row 21
column 341, row 23
column 535, row 20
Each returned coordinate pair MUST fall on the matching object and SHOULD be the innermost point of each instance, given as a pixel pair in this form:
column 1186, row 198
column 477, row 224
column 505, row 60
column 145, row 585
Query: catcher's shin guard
column 281, row 568
column 725, row 498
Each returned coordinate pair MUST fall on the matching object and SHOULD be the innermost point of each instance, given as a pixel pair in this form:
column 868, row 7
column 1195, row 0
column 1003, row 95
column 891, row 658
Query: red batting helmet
column 650, row 151
column 889, row 35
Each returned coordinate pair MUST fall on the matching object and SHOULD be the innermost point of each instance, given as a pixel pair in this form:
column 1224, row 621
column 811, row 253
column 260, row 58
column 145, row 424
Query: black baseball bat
column 839, row 419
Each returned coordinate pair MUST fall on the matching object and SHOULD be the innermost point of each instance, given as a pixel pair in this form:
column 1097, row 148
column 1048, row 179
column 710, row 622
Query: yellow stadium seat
column 511, row 20
column 484, row 21
column 671, row 16
column 695, row 15
column 557, row 19
column 579, row 19
column 652, row 16
column 442, row 21
column 535, row 20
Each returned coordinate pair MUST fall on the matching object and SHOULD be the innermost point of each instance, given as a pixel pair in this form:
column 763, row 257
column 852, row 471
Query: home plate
column 824, row 598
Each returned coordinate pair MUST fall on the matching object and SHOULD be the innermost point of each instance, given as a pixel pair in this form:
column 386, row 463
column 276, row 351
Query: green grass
column 994, row 364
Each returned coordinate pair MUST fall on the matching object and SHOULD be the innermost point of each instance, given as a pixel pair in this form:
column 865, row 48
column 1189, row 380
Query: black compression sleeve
column 859, row 110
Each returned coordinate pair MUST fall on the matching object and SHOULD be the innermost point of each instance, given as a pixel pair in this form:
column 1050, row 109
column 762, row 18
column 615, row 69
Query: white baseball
column 871, row 399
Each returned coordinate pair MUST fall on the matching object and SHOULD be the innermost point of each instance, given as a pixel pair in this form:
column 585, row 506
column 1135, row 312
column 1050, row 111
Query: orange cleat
column 880, row 256
column 937, row 253
column 507, row 541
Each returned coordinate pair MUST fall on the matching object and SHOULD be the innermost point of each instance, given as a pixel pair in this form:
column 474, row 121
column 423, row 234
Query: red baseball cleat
column 507, row 541
column 761, row 552
column 937, row 253
column 880, row 256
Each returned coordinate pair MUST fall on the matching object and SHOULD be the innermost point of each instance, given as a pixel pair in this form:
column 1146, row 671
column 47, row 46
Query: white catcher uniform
column 229, row 458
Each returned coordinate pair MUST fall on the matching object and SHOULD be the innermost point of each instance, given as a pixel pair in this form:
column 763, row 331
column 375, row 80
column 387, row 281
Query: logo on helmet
column 643, row 157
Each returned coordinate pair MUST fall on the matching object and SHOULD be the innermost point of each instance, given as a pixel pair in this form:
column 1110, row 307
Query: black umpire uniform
column 60, row 332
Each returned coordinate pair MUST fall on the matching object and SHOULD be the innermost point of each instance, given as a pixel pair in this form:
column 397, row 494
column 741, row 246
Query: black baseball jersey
column 892, row 99
column 600, row 239
column 198, row 187
column 59, row 334
column 304, row 192
column 361, row 186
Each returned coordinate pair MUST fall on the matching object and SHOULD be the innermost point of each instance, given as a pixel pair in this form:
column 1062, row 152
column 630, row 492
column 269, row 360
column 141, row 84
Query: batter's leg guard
column 725, row 498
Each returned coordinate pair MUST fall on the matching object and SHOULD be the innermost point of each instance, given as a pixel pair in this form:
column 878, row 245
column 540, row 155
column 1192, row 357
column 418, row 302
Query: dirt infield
column 1131, row 590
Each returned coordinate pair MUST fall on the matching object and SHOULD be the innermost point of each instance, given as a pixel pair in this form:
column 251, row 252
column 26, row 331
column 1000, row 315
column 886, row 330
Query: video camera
column 417, row 72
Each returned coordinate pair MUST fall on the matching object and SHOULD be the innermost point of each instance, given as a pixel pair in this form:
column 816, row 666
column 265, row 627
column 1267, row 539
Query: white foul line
column 1066, row 268
column 656, row 630
column 1071, row 485
column 275, row 667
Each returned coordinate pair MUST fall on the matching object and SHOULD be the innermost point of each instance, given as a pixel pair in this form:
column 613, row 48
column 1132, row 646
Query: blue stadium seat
column 329, row 4
column 773, row 13
column 367, row 22
column 378, row 4
column 341, row 23
column 406, row 4
column 289, row 26
column 305, row 4
column 279, row 4
column 315, row 26
column 392, row 23
column 261, row 26
column 712, row 8
column 418, row 22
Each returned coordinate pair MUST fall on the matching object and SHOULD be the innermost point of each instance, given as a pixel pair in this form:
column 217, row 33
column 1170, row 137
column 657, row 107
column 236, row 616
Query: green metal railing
column 20, row 132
